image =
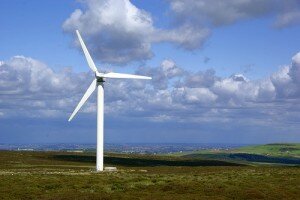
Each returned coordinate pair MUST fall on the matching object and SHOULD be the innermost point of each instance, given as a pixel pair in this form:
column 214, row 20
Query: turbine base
column 110, row 169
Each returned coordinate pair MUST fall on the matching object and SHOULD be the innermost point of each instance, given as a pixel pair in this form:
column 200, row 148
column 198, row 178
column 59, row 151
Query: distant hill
column 259, row 154
column 276, row 149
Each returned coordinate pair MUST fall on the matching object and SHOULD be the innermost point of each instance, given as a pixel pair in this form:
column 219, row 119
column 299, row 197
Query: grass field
column 282, row 154
column 288, row 150
column 61, row 175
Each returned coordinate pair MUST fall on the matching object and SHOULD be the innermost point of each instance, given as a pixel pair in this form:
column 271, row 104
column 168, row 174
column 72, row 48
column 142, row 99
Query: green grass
column 279, row 149
column 274, row 154
column 288, row 150
column 61, row 175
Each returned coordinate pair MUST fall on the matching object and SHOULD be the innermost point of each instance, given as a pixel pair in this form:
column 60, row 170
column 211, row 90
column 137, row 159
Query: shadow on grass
column 143, row 162
column 246, row 157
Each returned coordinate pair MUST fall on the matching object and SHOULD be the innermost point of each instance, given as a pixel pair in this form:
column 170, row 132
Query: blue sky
column 222, row 72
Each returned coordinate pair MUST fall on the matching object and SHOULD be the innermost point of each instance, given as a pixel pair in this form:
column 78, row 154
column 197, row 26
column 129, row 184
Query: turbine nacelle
column 99, row 77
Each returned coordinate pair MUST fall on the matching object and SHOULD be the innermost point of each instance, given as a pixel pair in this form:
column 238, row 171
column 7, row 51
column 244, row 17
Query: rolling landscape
column 155, row 100
column 253, row 172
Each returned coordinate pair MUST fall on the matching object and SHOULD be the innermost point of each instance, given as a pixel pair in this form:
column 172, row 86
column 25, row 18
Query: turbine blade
column 86, row 53
column 87, row 94
column 118, row 75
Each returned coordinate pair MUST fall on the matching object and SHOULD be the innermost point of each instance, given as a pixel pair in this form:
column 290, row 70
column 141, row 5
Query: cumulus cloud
column 116, row 31
column 187, row 36
column 295, row 69
column 289, row 14
column 199, row 95
column 203, row 93
column 162, row 75
column 288, row 18
column 219, row 12
column 32, row 89
column 286, row 80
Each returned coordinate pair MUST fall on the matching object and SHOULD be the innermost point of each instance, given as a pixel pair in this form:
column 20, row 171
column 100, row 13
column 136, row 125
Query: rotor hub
column 100, row 80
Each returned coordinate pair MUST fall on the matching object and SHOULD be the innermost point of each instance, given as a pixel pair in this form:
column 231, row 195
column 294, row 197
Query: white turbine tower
column 98, row 84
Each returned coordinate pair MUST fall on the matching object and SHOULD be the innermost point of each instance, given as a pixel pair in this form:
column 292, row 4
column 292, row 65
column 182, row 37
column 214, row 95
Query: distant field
column 287, row 150
column 282, row 154
column 61, row 175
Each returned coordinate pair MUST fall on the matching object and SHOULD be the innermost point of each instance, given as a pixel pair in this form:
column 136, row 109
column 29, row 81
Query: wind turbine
column 98, row 84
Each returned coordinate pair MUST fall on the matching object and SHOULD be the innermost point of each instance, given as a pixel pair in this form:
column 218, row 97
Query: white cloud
column 187, row 36
column 295, row 69
column 220, row 12
column 199, row 95
column 287, row 19
column 116, row 31
column 30, row 88
column 162, row 75
column 289, row 14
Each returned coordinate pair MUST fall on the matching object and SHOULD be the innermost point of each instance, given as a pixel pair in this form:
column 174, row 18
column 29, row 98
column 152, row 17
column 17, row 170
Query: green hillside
column 277, row 154
column 287, row 150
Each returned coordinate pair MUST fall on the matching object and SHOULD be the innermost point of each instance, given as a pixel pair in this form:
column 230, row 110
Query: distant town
column 136, row 148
